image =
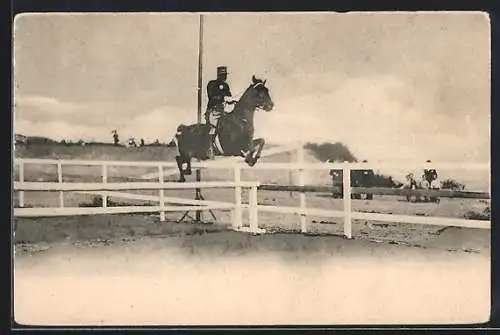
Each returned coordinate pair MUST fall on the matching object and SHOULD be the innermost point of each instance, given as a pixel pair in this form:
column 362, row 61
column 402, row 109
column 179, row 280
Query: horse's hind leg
column 181, row 171
column 188, row 171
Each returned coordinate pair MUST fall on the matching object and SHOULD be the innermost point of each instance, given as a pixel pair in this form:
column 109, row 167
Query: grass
column 97, row 202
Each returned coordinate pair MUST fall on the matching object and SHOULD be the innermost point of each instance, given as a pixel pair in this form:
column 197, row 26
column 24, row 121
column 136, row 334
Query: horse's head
column 259, row 95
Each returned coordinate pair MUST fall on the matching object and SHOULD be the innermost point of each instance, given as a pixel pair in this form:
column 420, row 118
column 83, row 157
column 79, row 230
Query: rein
column 241, row 116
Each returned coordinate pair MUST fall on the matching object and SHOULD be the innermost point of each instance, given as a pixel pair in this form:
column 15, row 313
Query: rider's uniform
column 218, row 92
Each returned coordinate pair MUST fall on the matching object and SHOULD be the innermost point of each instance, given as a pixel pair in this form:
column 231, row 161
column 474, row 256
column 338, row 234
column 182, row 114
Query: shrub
column 484, row 215
column 450, row 184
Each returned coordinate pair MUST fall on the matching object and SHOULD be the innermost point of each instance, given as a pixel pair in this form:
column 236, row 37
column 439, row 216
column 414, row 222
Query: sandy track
column 227, row 278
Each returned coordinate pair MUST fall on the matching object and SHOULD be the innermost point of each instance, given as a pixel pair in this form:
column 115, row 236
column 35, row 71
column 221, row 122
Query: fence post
column 162, row 193
column 60, row 179
column 302, row 195
column 346, row 184
column 21, row 179
column 253, row 210
column 104, row 180
column 237, row 211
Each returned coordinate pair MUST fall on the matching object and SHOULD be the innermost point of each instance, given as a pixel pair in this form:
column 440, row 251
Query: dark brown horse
column 234, row 131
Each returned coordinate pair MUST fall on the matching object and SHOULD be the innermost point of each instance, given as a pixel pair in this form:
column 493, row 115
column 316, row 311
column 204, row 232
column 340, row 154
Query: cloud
column 59, row 130
column 40, row 107
column 379, row 118
column 160, row 123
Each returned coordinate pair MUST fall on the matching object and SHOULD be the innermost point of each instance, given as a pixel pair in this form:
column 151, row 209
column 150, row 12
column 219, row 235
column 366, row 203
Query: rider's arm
column 227, row 90
column 211, row 90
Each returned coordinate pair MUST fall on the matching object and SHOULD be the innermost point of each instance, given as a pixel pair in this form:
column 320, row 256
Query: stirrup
column 211, row 152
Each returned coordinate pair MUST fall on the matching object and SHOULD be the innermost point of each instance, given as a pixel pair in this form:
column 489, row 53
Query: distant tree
column 39, row 140
column 142, row 142
column 331, row 151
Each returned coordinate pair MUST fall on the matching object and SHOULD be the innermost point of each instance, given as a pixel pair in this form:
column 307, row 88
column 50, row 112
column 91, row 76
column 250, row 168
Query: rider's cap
column 221, row 70
column 428, row 161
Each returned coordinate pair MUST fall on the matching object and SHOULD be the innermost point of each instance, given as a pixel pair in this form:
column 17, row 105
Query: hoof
column 181, row 180
column 210, row 154
column 251, row 162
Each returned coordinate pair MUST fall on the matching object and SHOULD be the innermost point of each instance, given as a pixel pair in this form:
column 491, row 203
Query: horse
column 234, row 131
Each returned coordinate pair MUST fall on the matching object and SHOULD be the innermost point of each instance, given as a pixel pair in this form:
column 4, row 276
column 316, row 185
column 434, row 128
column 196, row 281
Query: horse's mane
column 238, row 110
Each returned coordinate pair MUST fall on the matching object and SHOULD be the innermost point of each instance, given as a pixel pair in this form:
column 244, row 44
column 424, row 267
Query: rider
column 219, row 93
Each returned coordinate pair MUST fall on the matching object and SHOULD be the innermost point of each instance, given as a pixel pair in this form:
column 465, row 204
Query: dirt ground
column 112, row 270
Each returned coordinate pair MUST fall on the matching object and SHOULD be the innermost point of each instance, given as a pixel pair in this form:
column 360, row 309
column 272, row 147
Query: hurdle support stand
column 302, row 195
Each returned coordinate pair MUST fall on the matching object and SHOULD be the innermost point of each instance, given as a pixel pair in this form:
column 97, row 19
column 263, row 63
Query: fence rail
column 224, row 164
column 50, row 186
column 378, row 190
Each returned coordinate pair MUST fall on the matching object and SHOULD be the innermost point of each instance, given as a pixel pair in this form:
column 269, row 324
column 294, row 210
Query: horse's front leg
column 259, row 143
column 254, row 155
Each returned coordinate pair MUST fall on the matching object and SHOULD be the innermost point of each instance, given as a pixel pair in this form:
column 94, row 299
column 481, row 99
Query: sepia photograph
column 251, row 169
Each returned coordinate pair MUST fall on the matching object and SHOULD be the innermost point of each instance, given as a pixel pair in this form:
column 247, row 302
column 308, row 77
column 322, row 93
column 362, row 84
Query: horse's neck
column 244, row 109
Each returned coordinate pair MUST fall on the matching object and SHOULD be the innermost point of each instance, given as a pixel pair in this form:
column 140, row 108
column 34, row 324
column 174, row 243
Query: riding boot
column 211, row 153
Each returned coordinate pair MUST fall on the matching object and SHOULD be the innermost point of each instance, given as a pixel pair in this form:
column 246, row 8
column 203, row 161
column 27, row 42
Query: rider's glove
column 229, row 100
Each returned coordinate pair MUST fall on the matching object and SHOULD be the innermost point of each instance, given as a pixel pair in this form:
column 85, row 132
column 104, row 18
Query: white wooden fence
column 106, row 189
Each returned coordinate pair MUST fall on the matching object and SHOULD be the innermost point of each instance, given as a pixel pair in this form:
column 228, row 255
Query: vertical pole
column 104, row 180
column 290, row 175
column 253, row 217
column 302, row 196
column 346, row 184
column 162, row 193
column 21, row 179
column 200, row 67
column 237, row 212
column 60, row 179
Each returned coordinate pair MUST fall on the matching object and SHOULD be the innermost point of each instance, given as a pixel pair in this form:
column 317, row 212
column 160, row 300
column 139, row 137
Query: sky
column 393, row 86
